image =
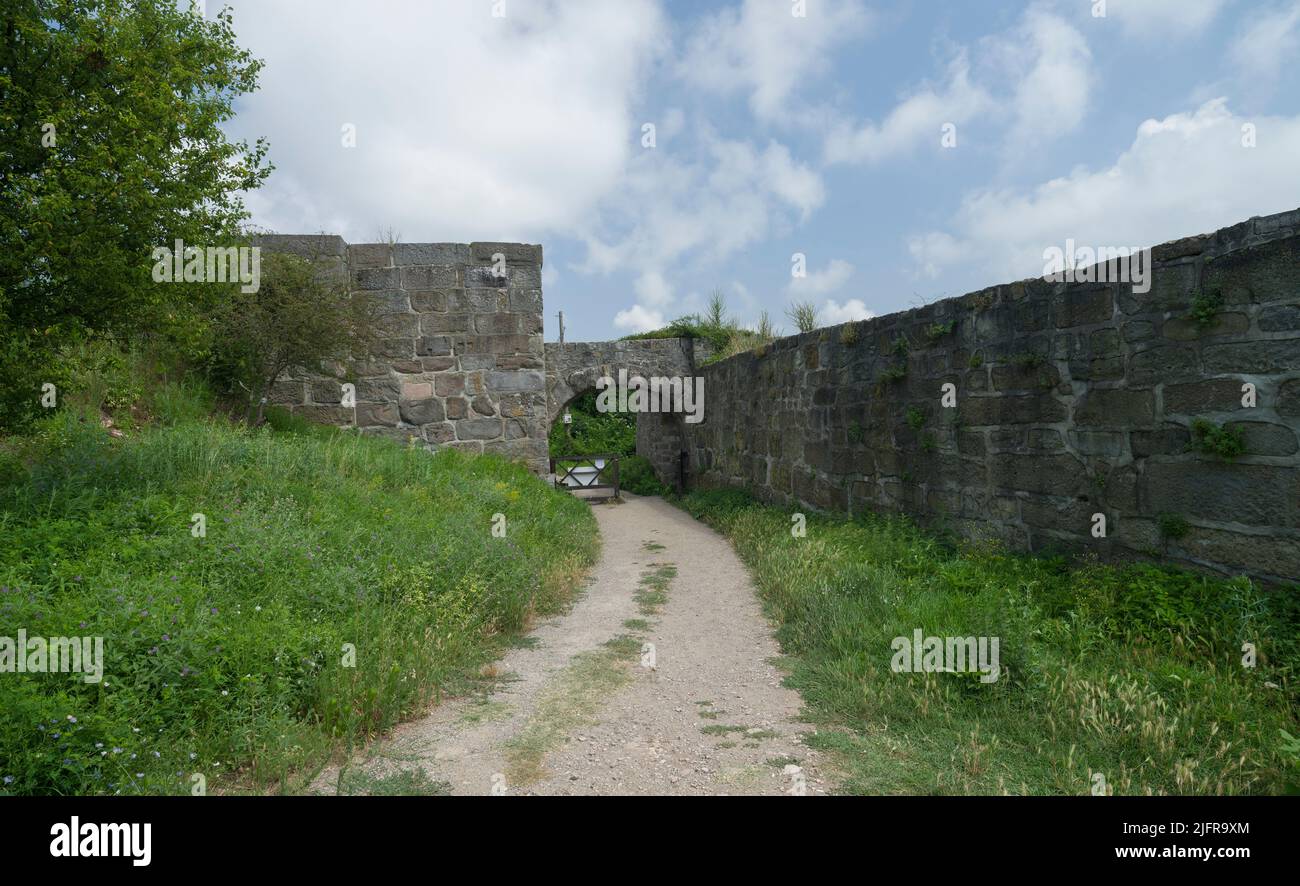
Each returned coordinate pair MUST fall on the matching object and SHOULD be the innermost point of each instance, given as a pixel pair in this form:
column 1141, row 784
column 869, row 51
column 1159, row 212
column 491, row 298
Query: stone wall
column 1072, row 400
column 573, row 367
column 460, row 363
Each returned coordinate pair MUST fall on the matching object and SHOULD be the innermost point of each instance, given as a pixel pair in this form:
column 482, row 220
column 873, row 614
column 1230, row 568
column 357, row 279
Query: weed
column 1223, row 442
column 937, row 331
column 1172, row 526
column 1205, row 307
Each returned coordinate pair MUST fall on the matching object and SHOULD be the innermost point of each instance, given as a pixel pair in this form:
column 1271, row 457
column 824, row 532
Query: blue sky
column 775, row 134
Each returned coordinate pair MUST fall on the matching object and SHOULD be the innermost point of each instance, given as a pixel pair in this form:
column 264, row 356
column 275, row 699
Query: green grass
column 652, row 592
column 638, row 477
column 570, row 701
column 225, row 654
column 403, row 783
column 1134, row 672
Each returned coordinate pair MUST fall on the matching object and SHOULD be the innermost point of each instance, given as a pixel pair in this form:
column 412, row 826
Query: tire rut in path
column 581, row 717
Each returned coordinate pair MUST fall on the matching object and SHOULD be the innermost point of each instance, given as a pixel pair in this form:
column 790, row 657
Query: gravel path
column 687, row 702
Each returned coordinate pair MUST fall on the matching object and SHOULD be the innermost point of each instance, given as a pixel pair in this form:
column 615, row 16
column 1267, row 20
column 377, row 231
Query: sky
column 664, row 150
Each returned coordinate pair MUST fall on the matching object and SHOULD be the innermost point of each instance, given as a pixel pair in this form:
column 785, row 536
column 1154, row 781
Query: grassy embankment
column 225, row 654
column 1134, row 673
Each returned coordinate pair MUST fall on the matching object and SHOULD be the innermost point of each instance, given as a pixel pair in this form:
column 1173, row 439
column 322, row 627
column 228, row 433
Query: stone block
column 1265, row 438
column 1278, row 355
column 479, row 429
column 431, row 254
column 1200, row 397
column 376, row 279
column 422, row 412
column 1253, row 495
column 426, row 277
column 1116, row 407
column 369, row 255
column 428, row 301
column 376, row 414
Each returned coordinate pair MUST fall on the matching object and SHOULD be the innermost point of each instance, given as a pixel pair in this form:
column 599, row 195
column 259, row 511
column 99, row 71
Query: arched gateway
column 461, row 361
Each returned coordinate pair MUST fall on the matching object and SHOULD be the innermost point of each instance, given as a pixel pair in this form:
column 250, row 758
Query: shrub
column 298, row 318
column 803, row 315
column 638, row 477
column 592, row 432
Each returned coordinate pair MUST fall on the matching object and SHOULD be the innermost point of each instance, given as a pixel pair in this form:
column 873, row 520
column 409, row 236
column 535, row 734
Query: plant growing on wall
column 894, row 373
column 1172, row 526
column 1222, row 442
column 803, row 315
column 1027, row 359
column 915, row 418
column 939, row 330
column 1205, row 307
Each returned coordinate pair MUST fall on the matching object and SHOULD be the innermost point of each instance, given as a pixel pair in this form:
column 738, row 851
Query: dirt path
column 684, row 700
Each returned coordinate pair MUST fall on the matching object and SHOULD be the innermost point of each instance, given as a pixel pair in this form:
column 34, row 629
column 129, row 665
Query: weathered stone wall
column 573, row 367
column 1071, row 400
column 460, row 363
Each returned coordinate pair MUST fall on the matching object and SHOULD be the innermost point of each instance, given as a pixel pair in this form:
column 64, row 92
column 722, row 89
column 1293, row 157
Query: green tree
column 110, row 145
column 301, row 317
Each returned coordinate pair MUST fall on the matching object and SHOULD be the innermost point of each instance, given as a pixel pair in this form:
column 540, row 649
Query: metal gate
column 581, row 472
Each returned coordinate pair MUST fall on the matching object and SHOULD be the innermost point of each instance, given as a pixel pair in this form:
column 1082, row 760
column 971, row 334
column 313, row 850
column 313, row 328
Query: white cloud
column 917, row 118
column 761, row 48
column 1185, row 174
column 1038, row 80
column 1051, row 94
column 467, row 126
column 652, row 288
column 671, row 205
column 638, row 319
column 673, row 209
column 1158, row 20
column 833, row 313
column 829, row 279
column 1270, row 40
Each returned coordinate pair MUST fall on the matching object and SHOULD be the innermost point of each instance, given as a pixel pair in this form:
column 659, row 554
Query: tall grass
column 343, row 584
column 1132, row 673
